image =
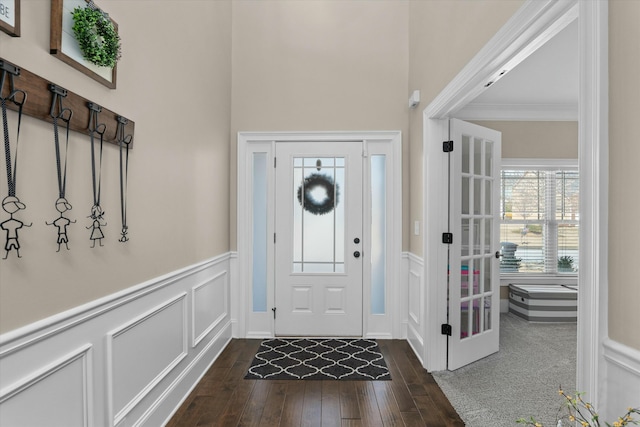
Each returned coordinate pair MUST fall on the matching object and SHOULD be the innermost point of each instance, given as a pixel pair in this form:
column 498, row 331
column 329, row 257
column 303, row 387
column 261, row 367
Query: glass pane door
column 474, row 297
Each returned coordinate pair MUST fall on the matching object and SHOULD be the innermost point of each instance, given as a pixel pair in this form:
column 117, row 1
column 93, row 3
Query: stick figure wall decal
column 11, row 204
column 96, row 171
column 62, row 205
column 95, row 227
column 62, row 222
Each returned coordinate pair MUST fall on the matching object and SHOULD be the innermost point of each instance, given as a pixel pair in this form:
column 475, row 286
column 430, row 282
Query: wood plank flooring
column 224, row 398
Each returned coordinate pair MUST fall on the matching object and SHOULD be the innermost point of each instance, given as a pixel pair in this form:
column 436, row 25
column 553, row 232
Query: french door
column 474, row 281
column 319, row 246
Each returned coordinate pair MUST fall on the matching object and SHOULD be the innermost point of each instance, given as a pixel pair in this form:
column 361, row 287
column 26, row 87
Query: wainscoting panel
column 128, row 359
column 621, row 379
column 209, row 309
column 61, row 388
column 144, row 351
column 415, row 326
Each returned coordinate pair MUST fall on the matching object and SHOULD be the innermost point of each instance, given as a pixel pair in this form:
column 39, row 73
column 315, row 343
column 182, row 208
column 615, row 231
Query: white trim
column 593, row 148
column 260, row 325
column 622, row 367
column 522, row 31
column 82, row 354
column 520, row 112
column 530, row 27
column 196, row 340
column 623, row 356
column 18, row 339
column 542, row 164
column 89, row 335
column 414, row 312
column 144, row 391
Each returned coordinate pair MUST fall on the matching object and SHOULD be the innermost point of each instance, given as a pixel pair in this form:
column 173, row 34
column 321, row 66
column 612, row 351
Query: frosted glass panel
column 259, row 232
column 378, row 233
column 318, row 215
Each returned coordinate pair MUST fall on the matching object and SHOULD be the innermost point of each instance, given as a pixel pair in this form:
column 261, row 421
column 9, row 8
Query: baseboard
column 127, row 359
column 621, row 388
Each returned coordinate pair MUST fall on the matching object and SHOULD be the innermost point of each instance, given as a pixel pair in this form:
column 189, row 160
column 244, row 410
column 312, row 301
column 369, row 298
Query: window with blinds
column 539, row 220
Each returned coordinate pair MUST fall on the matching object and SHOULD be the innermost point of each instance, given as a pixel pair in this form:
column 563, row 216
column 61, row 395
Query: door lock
column 356, row 254
column 356, row 240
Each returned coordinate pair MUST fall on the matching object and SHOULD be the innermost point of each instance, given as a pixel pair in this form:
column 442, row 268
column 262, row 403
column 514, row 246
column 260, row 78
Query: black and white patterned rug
column 318, row 359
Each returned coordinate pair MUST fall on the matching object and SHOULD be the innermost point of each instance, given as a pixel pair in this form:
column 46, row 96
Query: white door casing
column 474, row 278
column 319, row 242
column 252, row 316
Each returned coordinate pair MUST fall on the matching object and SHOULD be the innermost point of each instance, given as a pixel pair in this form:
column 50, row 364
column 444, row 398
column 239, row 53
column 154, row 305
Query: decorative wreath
column 313, row 205
column 98, row 39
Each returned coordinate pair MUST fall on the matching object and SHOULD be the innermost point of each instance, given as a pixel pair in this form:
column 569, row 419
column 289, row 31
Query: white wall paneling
column 414, row 276
column 143, row 352
column 622, row 373
column 62, row 388
column 208, row 308
column 128, row 359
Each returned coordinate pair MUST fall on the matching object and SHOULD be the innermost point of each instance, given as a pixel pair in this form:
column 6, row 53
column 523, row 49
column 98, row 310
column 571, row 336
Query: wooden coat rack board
column 38, row 105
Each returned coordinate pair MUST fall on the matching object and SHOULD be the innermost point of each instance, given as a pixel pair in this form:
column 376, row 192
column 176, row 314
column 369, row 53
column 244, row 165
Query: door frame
column 534, row 23
column 249, row 324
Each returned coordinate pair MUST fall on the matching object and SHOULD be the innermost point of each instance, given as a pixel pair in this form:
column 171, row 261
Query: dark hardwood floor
column 224, row 398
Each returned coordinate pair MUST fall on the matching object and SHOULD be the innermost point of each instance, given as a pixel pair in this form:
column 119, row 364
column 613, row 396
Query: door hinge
column 447, row 238
column 274, row 162
column 274, row 237
column 445, row 329
column 447, row 146
column 274, row 313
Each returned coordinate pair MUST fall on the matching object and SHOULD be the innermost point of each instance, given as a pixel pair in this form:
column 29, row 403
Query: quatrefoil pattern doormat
column 318, row 359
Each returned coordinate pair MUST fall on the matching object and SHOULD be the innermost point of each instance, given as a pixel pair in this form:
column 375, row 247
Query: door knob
column 356, row 254
column 498, row 254
column 356, row 240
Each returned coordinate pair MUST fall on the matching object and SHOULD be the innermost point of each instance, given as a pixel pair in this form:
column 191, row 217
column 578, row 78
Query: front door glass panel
column 318, row 215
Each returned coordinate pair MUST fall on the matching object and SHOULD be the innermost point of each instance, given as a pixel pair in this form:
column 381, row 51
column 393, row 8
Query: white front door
column 319, row 239
column 474, row 272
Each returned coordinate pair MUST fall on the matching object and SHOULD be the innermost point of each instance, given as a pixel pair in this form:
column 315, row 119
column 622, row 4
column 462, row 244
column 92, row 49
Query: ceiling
column 545, row 86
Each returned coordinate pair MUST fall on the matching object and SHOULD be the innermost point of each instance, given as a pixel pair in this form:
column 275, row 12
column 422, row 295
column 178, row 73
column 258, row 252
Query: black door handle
column 356, row 254
column 498, row 254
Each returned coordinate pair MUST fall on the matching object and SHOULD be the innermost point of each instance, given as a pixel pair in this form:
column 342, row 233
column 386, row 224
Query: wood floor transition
column 224, row 398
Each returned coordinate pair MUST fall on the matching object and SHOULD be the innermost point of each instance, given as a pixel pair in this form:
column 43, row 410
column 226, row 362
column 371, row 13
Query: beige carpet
column 519, row 381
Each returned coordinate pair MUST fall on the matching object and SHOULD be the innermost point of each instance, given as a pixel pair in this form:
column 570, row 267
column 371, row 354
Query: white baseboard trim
column 105, row 360
column 621, row 379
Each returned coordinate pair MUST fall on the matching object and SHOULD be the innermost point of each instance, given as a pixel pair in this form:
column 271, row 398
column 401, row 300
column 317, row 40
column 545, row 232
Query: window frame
column 550, row 165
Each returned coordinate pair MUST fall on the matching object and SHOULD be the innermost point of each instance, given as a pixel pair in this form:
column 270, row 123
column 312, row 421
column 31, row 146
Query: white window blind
column 539, row 220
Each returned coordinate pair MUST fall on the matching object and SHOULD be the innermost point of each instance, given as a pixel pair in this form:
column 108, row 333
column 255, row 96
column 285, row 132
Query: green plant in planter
column 565, row 264
column 97, row 37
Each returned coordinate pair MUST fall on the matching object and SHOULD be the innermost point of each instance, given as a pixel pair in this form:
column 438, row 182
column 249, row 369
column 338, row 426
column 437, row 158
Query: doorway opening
column 530, row 27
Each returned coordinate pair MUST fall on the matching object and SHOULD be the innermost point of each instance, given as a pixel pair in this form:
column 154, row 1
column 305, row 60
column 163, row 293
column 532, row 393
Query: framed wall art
column 74, row 50
column 10, row 17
